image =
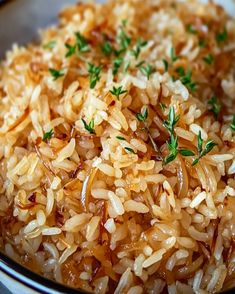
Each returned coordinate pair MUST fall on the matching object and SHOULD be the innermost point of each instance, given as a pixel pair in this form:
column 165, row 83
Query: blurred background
column 21, row 19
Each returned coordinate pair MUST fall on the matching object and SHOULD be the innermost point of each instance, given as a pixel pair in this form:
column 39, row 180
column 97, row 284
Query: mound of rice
column 118, row 149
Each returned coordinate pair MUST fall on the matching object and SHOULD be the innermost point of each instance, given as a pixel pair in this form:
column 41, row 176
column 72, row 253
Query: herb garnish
column 71, row 50
column 185, row 78
column 94, row 72
column 123, row 40
column 48, row 135
column 173, row 56
column 120, row 138
column 172, row 120
column 190, row 29
column 209, row 59
column 117, row 91
column 163, row 106
column 56, row 73
column 129, row 150
column 202, row 152
column 221, row 37
column 82, row 43
column 232, row 125
column 202, row 43
column 166, row 65
column 172, row 144
column 146, row 70
column 136, row 51
column 215, row 106
column 142, row 117
column 106, row 48
column 117, row 63
column 50, row 45
column 89, row 127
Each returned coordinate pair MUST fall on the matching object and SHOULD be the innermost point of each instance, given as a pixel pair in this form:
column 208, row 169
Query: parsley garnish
column 202, row 43
column 166, row 65
column 117, row 63
column 136, row 51
column 142, row 117
column 106, row 48
column 50, row 45
column 172, row 120
column 82, row 43
column 120, row 138
column 89, row 127
column 232, row 125
column 190, row 29
column 117, row 91
column 94, row 72
column 202, row 152
column 185, row 78
column 129, row 150
column 71, row 50
column 221, row 37
column 146, row 70
column 209, row 59
column 56, row 73
column 48, row 135
column 173, row 56
column 215, row 106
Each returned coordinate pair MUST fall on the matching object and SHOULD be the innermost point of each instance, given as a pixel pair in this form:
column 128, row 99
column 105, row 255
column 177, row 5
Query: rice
column 117, row 149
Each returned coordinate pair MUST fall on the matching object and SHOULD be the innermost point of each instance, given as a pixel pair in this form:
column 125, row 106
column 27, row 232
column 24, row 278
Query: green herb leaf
column 71, row 50
column 209, row 59
column 215, row 106
column 126, row 67
column 142, row 117
column 124, row 22
column 140, row 63
column 56, row 73
column 129, row 150
column 185, row 78
column 222, row 37
column 48, row 135
column 186, row 152
column 172, row 145
column 123, row 40
column 94, row 72
column 146, row 70
column 89, row 127
column 117, row 91
column 195, row 161
column 117, row 63
column 120, row 138
column 106, row 48
column 173, row 56
column 82, row 43
column 202, row 43
column 136, row 51
column 202, row 152
column 190, row 29
column 163, row 106
column 199, row 142
column 172, row 120
column 232, row 125
column 50, row 45
column 166, row 65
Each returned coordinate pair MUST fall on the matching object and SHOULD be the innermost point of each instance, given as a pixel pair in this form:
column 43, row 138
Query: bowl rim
column 31, row 279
